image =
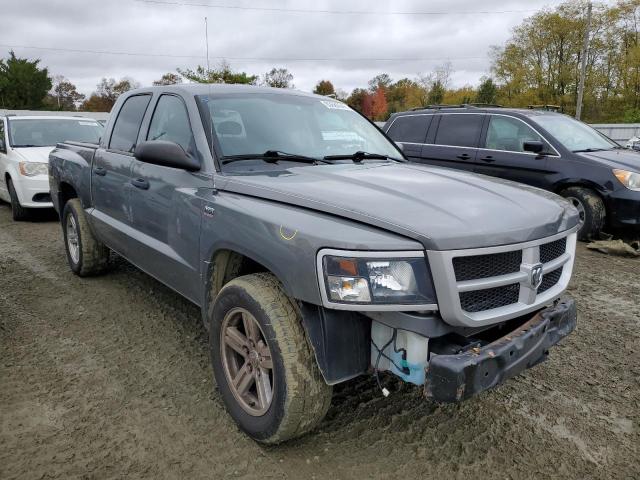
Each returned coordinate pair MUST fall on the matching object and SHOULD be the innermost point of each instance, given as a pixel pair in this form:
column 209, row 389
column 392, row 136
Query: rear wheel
column 263, row 364
column 85, row 254
column 18, row 212
column 590, row 208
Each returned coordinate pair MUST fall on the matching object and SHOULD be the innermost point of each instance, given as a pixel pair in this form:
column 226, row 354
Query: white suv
column 25, row 144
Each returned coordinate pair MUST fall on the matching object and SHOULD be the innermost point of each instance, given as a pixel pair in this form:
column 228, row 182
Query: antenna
column 206, row 41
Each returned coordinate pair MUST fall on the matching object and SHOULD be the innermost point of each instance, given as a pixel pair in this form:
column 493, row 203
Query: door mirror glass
column 166, row 154
column 533, row 146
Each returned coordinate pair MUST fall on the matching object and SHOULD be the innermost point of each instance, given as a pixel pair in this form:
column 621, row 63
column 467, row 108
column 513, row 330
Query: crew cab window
column 127, row 126
column 170, row 122
column 507, row 133
column 460, row 130
column 410, row 128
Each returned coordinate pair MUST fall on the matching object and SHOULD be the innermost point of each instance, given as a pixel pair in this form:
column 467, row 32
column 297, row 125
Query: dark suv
column 540, row 148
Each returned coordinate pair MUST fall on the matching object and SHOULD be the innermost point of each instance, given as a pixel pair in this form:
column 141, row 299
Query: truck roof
column 222, row 88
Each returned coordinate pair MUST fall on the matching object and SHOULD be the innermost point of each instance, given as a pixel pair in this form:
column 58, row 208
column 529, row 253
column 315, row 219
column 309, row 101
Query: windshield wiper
column 589, row 150
column 272, row 156
column 359, row 156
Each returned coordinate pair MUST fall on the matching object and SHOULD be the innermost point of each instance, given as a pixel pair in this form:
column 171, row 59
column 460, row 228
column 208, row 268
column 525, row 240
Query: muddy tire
column 85, row 254
column 18, row 212
column 591, row 209
column 256, row 306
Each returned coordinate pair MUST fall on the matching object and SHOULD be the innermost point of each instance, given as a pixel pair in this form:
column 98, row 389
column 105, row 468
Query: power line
column 225, row 57
column 336, row 12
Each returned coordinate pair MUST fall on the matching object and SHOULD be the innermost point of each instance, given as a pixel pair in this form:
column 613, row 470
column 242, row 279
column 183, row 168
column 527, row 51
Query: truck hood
column 34, row 154
column 622, row 159
column 441, row 208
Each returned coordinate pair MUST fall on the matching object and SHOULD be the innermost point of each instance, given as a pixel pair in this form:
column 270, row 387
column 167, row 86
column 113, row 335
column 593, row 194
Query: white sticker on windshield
column 89, row 124
column 335, row 105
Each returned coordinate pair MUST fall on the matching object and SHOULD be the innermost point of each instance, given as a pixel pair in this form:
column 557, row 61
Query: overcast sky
column 346, row 48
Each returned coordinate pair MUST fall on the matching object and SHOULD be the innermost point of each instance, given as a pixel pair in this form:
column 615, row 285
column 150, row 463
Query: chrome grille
column 488, row 285
column 484, row 266
column 552, row 250
column 550, row 280
column 489, row 298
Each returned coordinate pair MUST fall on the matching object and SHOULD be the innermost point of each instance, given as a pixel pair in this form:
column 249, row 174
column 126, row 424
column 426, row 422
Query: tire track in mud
column 110, row 377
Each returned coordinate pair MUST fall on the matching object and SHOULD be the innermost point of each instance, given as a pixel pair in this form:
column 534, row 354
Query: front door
column 410, row 131
column 455, row 144
column 502, row 153
column 111, row 176
column 166, row 205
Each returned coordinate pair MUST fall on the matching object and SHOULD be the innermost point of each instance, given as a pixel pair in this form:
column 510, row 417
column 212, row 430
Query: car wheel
column 263, row 364
column 18, row 212
column 85, row 254
column 591, row 209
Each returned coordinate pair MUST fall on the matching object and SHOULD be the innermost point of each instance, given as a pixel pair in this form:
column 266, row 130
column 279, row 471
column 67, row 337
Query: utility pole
column 583, row 63
column 206, row 40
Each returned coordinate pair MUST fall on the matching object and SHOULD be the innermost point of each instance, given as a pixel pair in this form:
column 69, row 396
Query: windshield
column 255, row 123
column 47, row 132
column 572, row 134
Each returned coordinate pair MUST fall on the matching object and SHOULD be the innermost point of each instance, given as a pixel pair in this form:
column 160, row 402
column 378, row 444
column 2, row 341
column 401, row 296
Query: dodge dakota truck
column 315, row 251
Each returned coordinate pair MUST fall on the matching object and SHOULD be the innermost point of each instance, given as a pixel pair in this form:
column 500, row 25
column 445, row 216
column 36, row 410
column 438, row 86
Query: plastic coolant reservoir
column 416, row 346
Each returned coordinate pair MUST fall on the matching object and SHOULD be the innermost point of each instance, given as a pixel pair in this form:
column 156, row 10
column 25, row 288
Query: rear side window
column 170, row 122
column 460, row 130
column 127, row 126
column 509, row 134
column 410, row 128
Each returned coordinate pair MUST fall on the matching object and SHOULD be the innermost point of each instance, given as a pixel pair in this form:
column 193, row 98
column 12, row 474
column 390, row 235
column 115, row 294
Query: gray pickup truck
column 316, row 252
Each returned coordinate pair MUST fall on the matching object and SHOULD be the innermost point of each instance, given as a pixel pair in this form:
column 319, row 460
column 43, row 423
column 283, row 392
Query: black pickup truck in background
column 545, row 149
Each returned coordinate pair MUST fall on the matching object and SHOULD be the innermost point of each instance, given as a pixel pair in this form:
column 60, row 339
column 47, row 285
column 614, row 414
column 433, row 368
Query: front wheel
column 18, row 212
column 591, row 210
column 263, row 364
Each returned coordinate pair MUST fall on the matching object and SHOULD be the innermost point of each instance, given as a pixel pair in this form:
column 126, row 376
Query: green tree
column 324, row 87
column 23, row 85
column 436, row 93
column 278, row 78
column 487, row 91
column 168, row 79
column 382, row 80
column 222, row 74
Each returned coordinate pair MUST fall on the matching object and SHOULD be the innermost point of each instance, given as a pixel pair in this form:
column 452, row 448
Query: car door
column 111, row 176
column 4, row 160
column 166, row 207
column 410, row 131
column 455, row 140
column 502, row 153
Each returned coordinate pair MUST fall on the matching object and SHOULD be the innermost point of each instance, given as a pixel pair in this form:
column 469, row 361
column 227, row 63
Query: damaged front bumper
column 453, row 378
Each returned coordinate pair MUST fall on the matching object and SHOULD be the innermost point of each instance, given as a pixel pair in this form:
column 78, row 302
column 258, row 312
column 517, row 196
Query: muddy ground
column 109, row 378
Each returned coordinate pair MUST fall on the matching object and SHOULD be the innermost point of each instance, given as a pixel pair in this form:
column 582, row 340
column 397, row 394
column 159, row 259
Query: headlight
column 631, row 180
column 31, row 169
column 370, row 279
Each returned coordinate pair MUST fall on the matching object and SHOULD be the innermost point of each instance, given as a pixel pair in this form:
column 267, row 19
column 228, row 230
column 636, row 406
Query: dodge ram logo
column 535, row 277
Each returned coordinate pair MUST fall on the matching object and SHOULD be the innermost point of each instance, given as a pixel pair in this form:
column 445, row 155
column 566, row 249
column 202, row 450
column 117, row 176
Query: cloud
column 347, row 49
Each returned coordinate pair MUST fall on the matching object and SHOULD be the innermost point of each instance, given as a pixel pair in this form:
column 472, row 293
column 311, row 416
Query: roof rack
column 461, row 105
column 550, row 108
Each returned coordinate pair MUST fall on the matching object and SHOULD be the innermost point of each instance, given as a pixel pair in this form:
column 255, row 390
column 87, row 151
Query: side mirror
column 533, row 146
column 3, row 146
column 167, row 154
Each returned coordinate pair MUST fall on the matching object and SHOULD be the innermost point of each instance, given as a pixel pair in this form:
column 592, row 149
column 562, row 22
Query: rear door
column 502, row 153
column 165, row 206
column 111, row 176
column 410, row 131
column 455, row 140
